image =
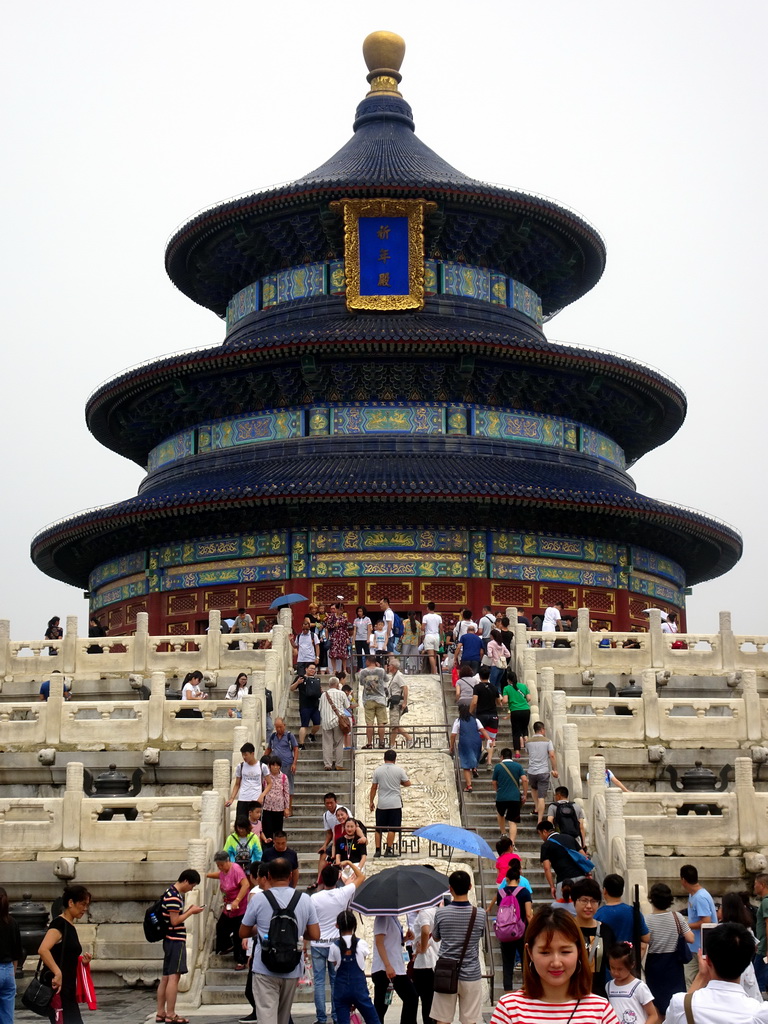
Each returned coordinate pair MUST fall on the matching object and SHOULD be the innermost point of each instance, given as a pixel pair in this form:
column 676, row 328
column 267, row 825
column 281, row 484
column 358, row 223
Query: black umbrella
column 400, row 890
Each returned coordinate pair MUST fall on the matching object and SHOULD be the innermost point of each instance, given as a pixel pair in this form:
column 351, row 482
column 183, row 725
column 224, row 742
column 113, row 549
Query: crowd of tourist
column 581, row 954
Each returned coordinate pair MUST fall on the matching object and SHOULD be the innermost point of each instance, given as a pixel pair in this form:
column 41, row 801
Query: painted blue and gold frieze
column 117, row 568
column 111, row 595
column 388, row 540
column 215, row 548
column 541, row 545
column 514, row 426
column 656, row 565
column 388, row 418
column 511, row 567
column 270, row 425
column 525, row 301
column 306, row 282
column 602, row 447
column 313, row 280
column 451, row 419
column 299, row 554
column 640, row 584
column 180, row 446
column 432, row 278
column 244, row 302
column 389, row 563
column 259, row 569
column 405, row 552
column 466, row 281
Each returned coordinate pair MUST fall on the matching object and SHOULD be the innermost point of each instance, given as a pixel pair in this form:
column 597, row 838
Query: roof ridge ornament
column 384, row 53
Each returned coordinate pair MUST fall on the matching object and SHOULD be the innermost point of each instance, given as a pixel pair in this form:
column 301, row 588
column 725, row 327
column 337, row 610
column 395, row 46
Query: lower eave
column 631, row 516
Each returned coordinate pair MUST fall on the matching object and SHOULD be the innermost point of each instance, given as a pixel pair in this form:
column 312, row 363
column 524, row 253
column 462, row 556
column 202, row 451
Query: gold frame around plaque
column 413, row 209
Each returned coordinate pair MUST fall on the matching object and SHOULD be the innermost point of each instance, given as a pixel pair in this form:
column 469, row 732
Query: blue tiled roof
column 546, row 246
column 473, row 488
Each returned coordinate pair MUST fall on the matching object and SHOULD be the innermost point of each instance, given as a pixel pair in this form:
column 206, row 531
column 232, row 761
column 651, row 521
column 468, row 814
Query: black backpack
column 280, row 951
column 156, row 921
column 242, row 851
column 566, row 820
column 312, row 689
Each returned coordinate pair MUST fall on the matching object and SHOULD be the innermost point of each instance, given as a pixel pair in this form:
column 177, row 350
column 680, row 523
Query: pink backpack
column 509, row 924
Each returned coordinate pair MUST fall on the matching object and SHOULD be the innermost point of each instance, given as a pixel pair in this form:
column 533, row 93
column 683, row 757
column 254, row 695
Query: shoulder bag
column 447, row 967
column 344, row 722
column 688, row 1007
column 39, row 992
column 683, row 950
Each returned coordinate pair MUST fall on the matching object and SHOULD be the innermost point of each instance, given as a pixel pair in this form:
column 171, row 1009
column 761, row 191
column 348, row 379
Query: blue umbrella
column 459, row 838
column 286, row 599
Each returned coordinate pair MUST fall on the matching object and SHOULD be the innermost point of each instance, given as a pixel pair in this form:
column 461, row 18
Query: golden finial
column 383, row 53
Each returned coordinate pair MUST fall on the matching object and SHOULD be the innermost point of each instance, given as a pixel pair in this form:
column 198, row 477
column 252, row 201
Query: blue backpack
column 397, row 625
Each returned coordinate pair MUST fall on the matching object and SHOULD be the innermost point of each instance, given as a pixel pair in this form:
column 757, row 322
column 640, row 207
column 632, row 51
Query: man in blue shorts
column 308, row 687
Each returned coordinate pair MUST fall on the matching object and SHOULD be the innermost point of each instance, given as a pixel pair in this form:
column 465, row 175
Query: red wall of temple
column 185, row 612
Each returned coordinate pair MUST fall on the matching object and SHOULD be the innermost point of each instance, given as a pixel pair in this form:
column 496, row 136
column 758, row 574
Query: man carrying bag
column 459, row 927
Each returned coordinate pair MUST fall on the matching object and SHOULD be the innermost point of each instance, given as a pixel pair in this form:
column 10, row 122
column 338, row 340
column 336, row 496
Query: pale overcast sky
column 122, row 120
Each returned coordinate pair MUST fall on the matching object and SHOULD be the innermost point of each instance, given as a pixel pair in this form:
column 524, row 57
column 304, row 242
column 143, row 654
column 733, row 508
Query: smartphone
column 705, row 930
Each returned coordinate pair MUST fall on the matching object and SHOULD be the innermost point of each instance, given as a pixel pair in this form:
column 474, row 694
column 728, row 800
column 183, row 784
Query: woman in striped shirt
column 557, row 980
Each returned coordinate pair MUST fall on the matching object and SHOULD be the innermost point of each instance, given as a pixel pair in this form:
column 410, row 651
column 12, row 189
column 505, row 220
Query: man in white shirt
column 716, row 995
column 552, row 618
column 433, row 625
column 463, row 624
column 389, row 621
column 329, row 902
column 486, row 624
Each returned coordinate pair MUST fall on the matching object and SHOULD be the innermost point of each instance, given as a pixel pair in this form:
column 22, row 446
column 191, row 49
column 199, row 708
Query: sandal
column 467, row 789
column 177, row 1020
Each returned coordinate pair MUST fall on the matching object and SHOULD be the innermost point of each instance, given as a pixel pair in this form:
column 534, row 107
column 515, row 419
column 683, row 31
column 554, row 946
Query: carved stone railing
column 630, row 653
column 29, row 660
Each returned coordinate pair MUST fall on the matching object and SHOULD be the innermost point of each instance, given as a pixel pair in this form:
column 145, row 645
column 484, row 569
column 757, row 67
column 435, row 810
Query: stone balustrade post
column 595, row 803
column 570, row 773
column 273, row 679
column 239, row 737
column 748, row 837
column 222, row 777
column 637, row 874
column 728, row 650
column 141, row 644
column 658, row 648
column 68, row 650
column 213, row 641
column 54, row 708
column 253, row 712
column 558, row 723
column 285, row 619
column 211, row 818
column 73, row 805
column 752, row 705
column 524, row 656
column 614, row 826
column 5, row 649
column 584, row 638
column 650, row 706
column 156, row 713
column 279, row 640
column 546, row 688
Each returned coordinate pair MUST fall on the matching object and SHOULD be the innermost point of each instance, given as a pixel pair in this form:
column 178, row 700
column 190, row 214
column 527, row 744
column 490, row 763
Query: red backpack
column 509, row 924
